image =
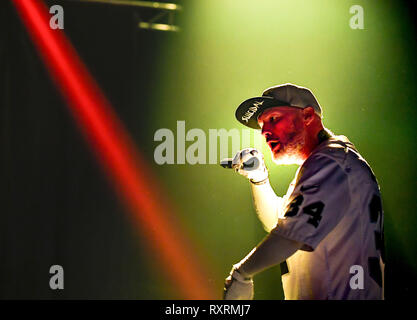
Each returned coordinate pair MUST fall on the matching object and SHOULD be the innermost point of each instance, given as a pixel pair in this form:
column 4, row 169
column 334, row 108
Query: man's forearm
column 273, row 250
column 267, row 204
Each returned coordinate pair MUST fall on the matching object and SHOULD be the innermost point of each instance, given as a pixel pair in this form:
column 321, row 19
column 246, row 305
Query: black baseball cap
column 277, row 96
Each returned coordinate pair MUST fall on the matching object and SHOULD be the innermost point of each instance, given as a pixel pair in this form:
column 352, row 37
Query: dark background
column 57, row 206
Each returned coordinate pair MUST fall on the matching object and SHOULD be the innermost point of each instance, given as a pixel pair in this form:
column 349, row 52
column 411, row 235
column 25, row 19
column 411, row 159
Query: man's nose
column 266, row 132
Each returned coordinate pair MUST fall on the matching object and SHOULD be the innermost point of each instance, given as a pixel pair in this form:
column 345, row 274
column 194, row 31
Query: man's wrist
column 261, row 182
column 239, row 275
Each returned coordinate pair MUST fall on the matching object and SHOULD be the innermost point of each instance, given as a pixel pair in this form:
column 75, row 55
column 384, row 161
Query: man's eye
column 274, row 119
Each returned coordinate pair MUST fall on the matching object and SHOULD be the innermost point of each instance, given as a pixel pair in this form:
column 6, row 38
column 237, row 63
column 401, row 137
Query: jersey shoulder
column 337, row 154
column 336, row 148
column 327, row 159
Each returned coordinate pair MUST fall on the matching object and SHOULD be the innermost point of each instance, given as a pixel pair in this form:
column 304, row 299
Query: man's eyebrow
column 275, row 113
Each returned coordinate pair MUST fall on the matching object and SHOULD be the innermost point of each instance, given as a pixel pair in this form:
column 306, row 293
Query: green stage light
column 228, row 51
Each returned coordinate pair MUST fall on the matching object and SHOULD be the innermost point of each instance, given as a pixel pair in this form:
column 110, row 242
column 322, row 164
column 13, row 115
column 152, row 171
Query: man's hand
column 237, row 287
column 250, row 163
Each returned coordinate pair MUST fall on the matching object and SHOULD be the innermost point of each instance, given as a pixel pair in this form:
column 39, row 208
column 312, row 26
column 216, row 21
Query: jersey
column 333, row 207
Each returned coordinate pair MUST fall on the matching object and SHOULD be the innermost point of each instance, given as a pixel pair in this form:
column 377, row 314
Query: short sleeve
column 317, row 204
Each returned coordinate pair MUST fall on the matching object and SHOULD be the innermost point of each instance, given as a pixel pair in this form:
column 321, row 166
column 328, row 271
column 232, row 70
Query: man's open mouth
column 274, row 145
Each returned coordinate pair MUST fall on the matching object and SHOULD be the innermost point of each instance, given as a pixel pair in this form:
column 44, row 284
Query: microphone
column 227, row 163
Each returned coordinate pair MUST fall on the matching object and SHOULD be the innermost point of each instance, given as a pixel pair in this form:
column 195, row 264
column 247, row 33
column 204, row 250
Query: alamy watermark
column 57, row 20
column 196, row 146
column 57, row 280
column 357, row 20
column 357, row 280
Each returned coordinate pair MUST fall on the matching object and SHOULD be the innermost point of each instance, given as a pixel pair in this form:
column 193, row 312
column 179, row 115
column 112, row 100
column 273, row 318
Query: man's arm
column 273, row 250
column 267, row 204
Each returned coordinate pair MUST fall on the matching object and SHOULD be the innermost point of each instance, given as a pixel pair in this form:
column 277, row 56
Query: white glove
column 250, row 163
column 236, row 287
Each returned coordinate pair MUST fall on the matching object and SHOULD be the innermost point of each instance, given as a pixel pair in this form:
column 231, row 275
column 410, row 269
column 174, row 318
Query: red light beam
column 116, row 152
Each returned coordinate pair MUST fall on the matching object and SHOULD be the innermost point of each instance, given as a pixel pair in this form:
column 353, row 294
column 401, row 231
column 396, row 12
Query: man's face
column 283, row 129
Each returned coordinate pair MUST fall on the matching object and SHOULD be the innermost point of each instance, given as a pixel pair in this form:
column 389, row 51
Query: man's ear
column 308, row 115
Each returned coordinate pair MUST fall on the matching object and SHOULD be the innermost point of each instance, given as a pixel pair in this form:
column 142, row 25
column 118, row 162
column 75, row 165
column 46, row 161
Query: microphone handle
column 228, row 163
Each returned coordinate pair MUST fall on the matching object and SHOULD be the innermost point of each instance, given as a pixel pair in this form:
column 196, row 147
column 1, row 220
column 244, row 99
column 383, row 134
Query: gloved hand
column 237, row 287
column 250, row 163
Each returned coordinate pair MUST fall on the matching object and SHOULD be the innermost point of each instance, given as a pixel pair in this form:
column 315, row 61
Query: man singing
column 327, row 231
